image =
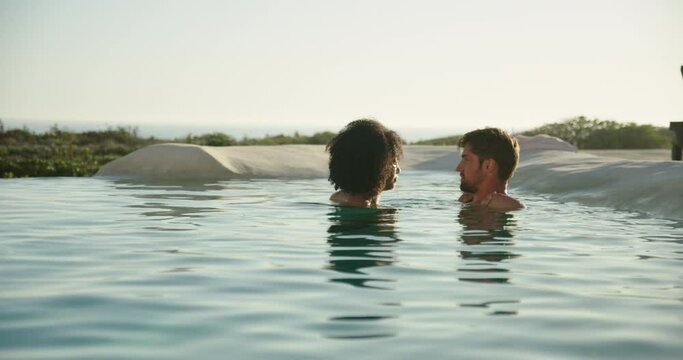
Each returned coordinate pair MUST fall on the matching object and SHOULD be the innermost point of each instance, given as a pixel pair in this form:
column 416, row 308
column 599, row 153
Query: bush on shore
column 442, row 141
column 587, row 133
column 59, row 152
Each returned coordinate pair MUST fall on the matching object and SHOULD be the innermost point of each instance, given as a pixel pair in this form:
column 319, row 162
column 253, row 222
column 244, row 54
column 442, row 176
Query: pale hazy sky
column 446, row 66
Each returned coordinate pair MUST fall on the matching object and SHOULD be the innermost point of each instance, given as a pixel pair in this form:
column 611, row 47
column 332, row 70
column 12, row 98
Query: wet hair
column 362, row 157
column 496, row 144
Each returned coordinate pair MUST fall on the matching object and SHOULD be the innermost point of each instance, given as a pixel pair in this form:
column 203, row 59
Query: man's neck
column 489, row 187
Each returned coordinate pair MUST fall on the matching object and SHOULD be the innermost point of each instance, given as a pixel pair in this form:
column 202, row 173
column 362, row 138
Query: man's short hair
column 362, row 157
column 496, row 144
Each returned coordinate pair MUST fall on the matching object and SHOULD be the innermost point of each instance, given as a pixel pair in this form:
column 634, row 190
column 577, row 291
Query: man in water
column 363, row 163
column 488, row 161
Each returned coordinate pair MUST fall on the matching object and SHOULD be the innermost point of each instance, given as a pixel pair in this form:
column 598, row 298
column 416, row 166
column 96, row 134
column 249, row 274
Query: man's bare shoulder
column 502, row 202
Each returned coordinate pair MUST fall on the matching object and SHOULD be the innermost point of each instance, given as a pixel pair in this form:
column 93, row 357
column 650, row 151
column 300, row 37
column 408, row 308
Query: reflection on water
column 168, row 211
column 158, row 184
column 361, row 239
column 262, row 281
column 161, row 199
column 487, row 237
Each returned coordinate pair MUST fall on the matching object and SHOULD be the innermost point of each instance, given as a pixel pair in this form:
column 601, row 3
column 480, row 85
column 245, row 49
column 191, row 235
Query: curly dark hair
column 496, row 144
column 362, row 157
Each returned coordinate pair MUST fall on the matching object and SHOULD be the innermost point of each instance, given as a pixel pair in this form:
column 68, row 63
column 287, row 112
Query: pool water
column 267, row 269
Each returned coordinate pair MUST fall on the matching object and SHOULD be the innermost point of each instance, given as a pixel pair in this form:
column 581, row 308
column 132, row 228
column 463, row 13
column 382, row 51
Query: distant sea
column 173, row 131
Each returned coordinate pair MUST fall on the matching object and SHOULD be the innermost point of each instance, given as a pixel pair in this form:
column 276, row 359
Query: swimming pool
column 98, row 268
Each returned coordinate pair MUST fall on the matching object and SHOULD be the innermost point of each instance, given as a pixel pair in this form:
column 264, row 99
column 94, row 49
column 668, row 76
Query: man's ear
column 490, row 166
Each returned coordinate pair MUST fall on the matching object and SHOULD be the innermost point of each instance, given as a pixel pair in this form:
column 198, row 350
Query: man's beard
column 468, row 188
column 472, row 186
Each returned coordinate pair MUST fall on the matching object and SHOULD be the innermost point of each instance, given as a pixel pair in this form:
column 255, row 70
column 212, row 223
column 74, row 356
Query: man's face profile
column 471, row 173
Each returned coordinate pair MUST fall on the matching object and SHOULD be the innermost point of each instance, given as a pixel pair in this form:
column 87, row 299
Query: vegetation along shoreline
column 59, row 152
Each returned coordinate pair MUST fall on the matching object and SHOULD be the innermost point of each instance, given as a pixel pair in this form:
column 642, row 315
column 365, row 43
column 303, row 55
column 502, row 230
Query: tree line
column 587, row 133
column 59, row 152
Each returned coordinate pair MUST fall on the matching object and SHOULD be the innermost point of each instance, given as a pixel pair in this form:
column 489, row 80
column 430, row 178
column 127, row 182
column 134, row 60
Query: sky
column 425, row 68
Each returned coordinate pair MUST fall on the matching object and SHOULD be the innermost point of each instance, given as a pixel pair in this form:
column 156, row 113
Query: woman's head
column 364, row 158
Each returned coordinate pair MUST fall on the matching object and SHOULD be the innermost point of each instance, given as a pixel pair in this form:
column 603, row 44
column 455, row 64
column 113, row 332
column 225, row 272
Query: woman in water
column 363, row 163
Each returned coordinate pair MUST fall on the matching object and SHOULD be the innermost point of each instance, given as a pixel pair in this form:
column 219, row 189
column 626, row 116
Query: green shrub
column 448, row 140
column 59, row 152
column 606, row 134
column 212, row 139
